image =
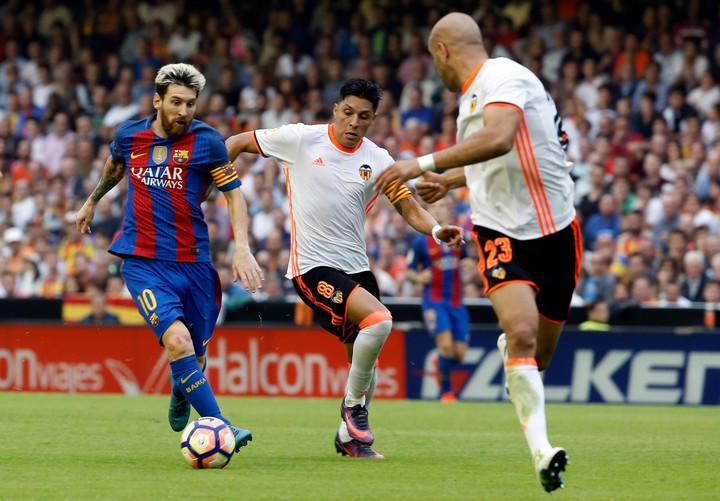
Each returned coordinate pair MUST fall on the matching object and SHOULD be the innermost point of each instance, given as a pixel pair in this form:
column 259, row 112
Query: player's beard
column 172, row 128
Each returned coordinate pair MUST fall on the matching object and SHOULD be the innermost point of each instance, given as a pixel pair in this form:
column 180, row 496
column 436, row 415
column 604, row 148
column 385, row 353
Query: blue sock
column 190, row 381
column 174, row 388
column 445, row 367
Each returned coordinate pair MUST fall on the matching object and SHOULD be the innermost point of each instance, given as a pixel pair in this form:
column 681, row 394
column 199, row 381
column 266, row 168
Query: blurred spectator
column 642, row 292
column 56, row 142
column 184, row 41
column 606, row 220
column 670, row 297
column 123, row 109
column 706, row 95
column 99, row 313
column 694, row 279
column 591, row 80
column 416, row 109
column 598, row 283
column 677, row 109
column 598, row 313
column 711, row 292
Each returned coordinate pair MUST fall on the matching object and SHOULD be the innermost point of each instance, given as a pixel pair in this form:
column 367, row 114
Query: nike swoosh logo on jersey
column 206, row 342
column 134, row 155
column 183, row 380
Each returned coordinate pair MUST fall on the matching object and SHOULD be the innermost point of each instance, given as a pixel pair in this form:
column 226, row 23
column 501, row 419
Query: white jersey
column 330, row 188
column 528, row 192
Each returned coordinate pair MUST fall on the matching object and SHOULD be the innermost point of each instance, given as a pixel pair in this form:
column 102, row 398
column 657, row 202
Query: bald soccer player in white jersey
column 329, row 172
column 511, row 145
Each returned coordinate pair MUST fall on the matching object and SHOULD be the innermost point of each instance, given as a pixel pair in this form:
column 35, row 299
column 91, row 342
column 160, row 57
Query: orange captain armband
column 224, row 175
column 403, row 192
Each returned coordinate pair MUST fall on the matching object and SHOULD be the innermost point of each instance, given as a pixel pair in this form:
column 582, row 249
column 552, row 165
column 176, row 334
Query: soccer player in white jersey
column 329, row 172
column 511, row 145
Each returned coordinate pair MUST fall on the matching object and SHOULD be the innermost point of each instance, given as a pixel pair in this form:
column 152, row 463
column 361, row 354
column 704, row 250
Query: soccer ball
column 207, row 442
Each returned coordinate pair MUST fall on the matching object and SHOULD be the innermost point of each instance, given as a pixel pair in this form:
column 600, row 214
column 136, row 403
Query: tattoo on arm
column 400, row 206
column 113, row 173
column 415, row 215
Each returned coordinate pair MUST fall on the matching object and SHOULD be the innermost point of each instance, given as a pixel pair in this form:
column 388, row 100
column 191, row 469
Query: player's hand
column 431, row 187
column 246, row 269
column 424, row 276
column 84, row 217
column 451, row 235
column 399, row 171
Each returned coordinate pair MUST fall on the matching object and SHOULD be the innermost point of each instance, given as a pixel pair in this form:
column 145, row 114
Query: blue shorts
column 165, row 291
column 441, row 316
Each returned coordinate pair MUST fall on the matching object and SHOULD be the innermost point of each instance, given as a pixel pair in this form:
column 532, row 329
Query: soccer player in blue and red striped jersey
column 437, row 267
column 172, row 161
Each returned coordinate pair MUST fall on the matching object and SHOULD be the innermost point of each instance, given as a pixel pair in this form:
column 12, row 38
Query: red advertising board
column 302, row 362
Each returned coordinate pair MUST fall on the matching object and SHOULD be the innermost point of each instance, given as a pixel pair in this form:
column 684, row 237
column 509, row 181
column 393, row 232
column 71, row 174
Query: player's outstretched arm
column 422, row 221
column 493, row 140
column 240, row 143
column 244, row 265
column 432, row 187
column 113, row 172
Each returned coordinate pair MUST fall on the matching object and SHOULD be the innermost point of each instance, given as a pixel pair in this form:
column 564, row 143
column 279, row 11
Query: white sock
column 374, row 330
column 344, row 435
column 371, row 390
column 343, row 431
column 528, row 397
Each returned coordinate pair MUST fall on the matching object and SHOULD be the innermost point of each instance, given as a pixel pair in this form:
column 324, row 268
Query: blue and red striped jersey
column 167, row 182
column 444, row 262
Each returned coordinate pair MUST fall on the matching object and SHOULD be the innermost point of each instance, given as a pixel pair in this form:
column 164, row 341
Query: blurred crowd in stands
column 636, row 84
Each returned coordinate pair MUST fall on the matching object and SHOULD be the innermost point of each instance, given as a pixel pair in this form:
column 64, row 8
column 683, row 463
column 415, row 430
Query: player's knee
column 378, row 323
column 177, row 344
column 521, row 338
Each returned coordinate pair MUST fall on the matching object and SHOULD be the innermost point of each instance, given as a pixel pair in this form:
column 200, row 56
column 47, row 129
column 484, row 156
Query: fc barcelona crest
column 228, row 169
column 159, row 154
column 473, row 103
column 181, row 156
column 365, row 172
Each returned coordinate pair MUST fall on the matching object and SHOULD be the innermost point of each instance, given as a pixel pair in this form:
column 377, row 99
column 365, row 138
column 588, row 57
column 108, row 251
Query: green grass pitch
column 106, row 447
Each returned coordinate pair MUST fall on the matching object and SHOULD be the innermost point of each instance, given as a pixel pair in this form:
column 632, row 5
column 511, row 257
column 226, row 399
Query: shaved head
column 456, row 46
column 456, row 29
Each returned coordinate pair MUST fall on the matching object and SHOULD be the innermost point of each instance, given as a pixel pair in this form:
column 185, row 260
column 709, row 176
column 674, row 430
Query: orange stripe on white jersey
column 534, row 185
column 525, row 171
column 257, row 145
column 534, row 182
column 509, row 105
column 294, row 265
column 534, row 166
column 371, row 203
column 472, row 76
column 578, row 248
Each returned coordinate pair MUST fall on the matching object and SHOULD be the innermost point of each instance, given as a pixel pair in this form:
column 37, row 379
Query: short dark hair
column 364, row 89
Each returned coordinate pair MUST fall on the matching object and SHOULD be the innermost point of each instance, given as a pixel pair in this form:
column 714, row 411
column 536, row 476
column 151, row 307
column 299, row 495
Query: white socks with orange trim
column 374, row 330
column 528, row 397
